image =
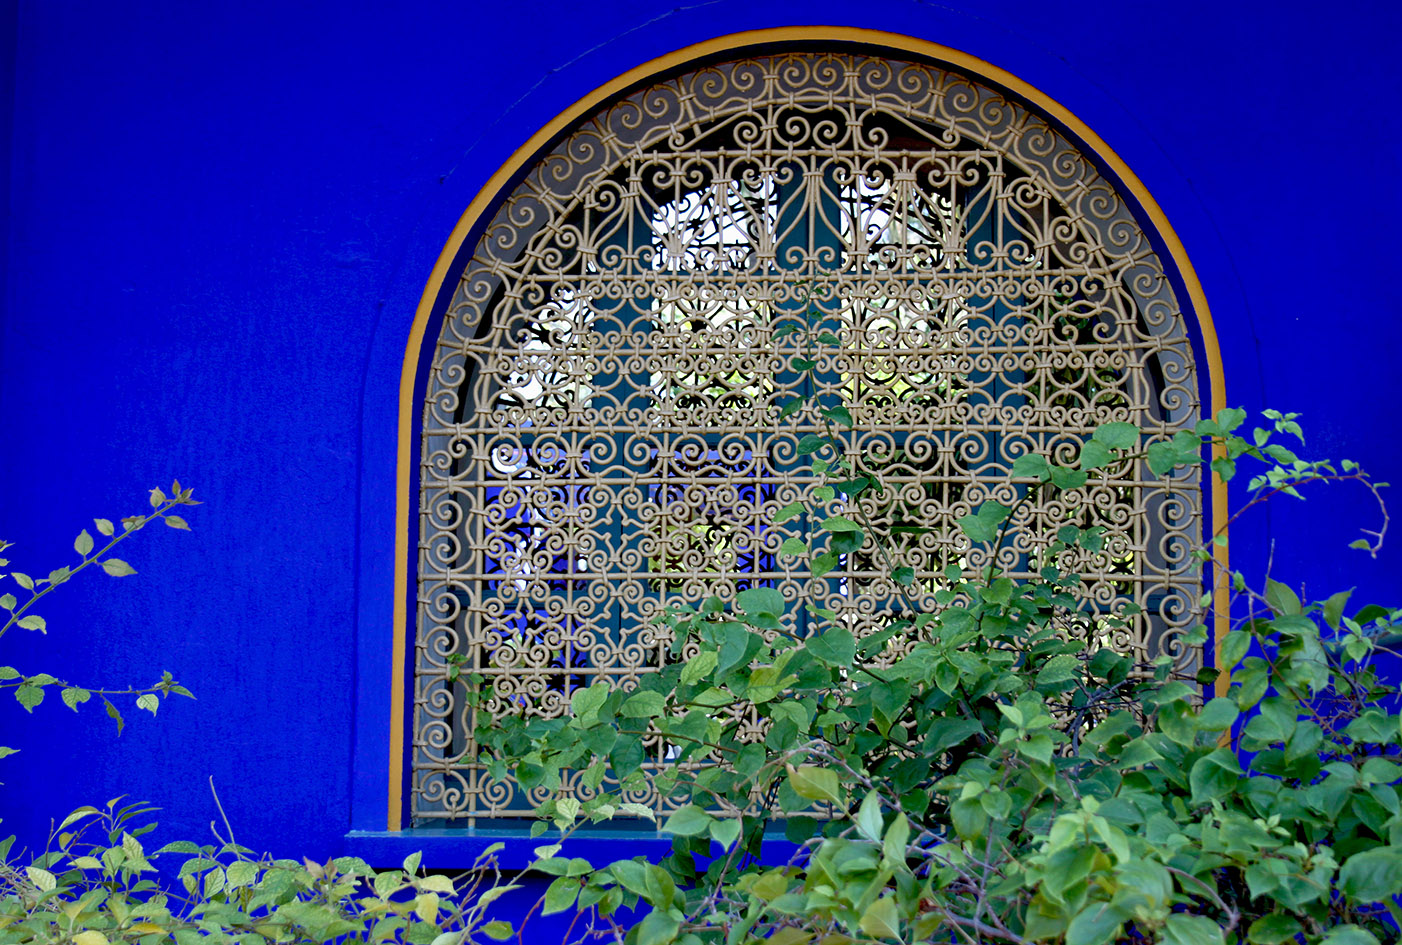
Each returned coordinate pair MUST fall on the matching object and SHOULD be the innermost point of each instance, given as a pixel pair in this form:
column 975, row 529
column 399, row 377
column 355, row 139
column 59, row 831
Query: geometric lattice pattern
column 601, row 436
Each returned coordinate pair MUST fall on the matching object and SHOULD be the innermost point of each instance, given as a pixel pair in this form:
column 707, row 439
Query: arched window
column 604, row 429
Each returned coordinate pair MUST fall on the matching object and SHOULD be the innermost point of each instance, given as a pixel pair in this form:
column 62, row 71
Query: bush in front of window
column 992, row 769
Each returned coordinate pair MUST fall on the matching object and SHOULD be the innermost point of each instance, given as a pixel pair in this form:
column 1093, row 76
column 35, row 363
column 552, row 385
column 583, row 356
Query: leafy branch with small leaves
column 97, row 884
column 29, row 688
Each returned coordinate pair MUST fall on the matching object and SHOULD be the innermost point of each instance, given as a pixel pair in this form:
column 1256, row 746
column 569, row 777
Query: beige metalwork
column 602, row 432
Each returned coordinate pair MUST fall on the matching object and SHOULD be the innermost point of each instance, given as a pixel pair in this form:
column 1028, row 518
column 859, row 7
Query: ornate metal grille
column 602, row 438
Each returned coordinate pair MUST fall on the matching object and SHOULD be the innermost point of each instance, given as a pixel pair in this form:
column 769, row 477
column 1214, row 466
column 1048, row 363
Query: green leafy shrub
column 1003, row 777
column 97, row 884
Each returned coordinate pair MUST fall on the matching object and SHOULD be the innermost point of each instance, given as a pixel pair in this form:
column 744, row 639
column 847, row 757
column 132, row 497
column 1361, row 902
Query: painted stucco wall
column 221, row 224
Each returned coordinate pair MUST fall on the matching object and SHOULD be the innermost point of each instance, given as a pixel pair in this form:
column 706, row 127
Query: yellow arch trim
column 528, row 152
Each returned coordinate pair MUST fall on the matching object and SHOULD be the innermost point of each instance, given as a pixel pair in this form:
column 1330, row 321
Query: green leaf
column 737, row 644
column 712, row 698
column 1349, row 935
column 1162, row 458
column 822, row 564
column 946, row 733
column 792, row 407
column 29, row 696
column 658, row 928
column 1095, row 455
column 897, row 836
column 793, row 547
column 852, row 487
column 497, row 929
column 761, row 600
column 74, row 697
column 150, row 702
column 1214, row 776
column 1191, row 930
column 835, row 646
column 815, row 784
column 322, row 924
column 811, row 443
column 1273, row 930
column 1096, row 924
column 23, row 580
column 982, row 526
column 868, row 818
column 631, row 875
column 115, row 716
column 117, row 567
column 1057, row 670
column 838, row 523
column 83, row 813
column 1229, row 418
column 8, row 601
column 83, row 543
column 104, row 526
column 688, row 821
column 1117, row 435
column 1064, row 478
column 241, row 873
column 1234, row 647
column 560, row 894
column 1031, row 466
column 726, row 830
column 839, row 415
column 1372, row 876
column 699, row 667
column 32, row 622
column 1281, row 599
column 890, row 701
column 175, row 521
column 643, row 705
column 585, row 703
column 904, row 576
column 1225, row 468
column 1218, row 715
column 41, row 878
column 787, row 512
column 882, row 919
column 1334, row 608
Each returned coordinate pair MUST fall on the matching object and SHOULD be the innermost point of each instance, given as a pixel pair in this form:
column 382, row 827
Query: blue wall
column 221, row 223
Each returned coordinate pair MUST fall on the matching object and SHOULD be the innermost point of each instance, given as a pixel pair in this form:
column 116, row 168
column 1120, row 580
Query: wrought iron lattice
column 601, row 436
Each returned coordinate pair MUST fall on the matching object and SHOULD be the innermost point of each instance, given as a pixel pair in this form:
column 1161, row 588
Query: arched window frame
column 459, row 246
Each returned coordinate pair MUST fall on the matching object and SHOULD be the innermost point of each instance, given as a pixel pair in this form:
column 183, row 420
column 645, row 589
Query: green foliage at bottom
column 993, row 769
column 97, row 884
